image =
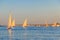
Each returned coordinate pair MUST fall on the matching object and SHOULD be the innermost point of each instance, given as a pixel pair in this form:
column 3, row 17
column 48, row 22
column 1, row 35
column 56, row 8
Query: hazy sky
column 36, row 11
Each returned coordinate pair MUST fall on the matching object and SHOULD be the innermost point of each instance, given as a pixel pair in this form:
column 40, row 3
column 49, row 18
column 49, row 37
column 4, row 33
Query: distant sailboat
column 47, row 24
column 9, row 22
column 58, row 25
column 25, row 23
column 54, row 25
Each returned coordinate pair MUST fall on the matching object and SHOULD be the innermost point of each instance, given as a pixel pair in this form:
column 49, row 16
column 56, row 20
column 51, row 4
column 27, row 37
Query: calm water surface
column 30, row 33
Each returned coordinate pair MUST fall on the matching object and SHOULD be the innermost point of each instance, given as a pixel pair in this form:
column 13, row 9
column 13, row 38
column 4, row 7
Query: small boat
column 46, row 24
column 54, row 25
column 11, row 23
column 25, row 24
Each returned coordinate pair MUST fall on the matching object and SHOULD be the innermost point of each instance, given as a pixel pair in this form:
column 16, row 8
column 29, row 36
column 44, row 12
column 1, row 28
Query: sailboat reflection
column 10, row 34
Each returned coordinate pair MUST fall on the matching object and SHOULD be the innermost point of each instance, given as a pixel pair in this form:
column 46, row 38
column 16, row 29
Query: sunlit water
column 30, row 33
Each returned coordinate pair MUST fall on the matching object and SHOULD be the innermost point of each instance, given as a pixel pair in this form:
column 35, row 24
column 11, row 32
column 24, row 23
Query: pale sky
column 36, row 11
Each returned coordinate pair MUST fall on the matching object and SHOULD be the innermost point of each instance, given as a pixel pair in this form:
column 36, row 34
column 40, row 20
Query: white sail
column 9, row 21
column 13, row 23
column 25, row 23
